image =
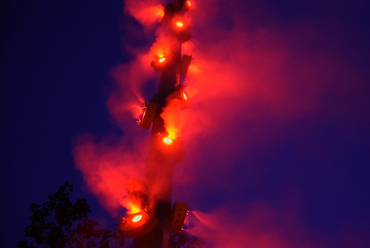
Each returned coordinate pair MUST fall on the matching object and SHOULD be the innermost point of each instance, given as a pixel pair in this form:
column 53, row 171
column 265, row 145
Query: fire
column 162, row 46
column 167, row 140
column 137, row 218
column 161, row 60
column 184, row 95
column 132, row 208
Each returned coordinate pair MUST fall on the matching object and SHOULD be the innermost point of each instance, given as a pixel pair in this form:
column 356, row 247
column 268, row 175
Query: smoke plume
column 255, row 225
column 251, row 77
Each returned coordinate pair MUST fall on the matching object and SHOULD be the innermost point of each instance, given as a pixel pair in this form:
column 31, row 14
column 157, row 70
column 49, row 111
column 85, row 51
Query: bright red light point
column 137, row 218
column 161, row 60
column 184, row 95
column 179, row 24
column 167, row 140
column 189, row 4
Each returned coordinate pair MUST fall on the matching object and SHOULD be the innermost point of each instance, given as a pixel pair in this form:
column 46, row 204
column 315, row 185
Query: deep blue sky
column 55, row 62
column 54, row 74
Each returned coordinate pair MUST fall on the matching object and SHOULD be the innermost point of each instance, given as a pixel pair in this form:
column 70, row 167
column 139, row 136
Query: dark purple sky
column 280, row 113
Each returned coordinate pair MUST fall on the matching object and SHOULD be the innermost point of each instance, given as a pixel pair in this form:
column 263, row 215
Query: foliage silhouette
column 59, row 223
column 184, row 240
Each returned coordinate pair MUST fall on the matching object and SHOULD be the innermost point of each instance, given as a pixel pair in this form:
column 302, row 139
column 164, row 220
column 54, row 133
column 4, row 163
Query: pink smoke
column 244, row 77
column 256, row 225
column 106, row 167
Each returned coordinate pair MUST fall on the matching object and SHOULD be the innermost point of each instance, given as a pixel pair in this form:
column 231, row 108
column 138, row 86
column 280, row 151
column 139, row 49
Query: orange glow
column 145, row 14
column 137, row 218
column 132, row 208
column 189, row 4
column 184, row 95
column 162, row 46
column 179, row 24
column 167, row 140
column 161, row 60
column 161, row 13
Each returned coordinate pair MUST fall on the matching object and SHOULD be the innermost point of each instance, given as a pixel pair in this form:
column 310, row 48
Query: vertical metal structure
column 161, row 158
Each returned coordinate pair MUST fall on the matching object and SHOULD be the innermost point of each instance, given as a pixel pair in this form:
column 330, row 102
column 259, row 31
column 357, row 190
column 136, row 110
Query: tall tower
column 165, row 151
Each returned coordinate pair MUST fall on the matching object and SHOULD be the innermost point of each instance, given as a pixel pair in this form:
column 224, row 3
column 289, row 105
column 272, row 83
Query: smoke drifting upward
column 251, row 77
column 109, row 167
column 146, row 12
column 127, row 101
column 245, row 76
column 114, row 166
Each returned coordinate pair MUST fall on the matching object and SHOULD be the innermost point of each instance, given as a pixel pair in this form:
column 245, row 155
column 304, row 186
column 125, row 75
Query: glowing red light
column 184, row 95
column 179, row 24
column 167, row 140
column 189, row 4
column 161, row 60
column 137, row 218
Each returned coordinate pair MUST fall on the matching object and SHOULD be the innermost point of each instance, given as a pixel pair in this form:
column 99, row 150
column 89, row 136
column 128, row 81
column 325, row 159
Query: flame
column 172, row 120
column 137, row 218
column 161, row 47
column 161, row 60
column 167, row 140
column 132, row 208
column 184, row 95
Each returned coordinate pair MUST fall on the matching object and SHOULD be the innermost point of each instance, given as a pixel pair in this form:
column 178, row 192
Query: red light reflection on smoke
column 242, row 79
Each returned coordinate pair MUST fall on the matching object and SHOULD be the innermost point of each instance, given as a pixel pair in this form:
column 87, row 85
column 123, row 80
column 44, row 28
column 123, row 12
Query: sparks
column 137, row 218
column 167, row 140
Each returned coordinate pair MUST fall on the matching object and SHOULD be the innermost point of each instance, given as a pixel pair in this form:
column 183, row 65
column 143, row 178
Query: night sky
column 277, row 136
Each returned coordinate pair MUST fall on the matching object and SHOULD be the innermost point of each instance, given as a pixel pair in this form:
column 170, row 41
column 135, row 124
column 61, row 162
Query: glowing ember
column 167, row 140
column 137, row 218
column 184, row 95
column 179, row 24
column 189, row 4
column 161, row 60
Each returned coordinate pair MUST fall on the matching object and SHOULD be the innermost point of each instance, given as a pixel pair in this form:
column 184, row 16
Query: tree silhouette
column 184, row 240
column 59, row 223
